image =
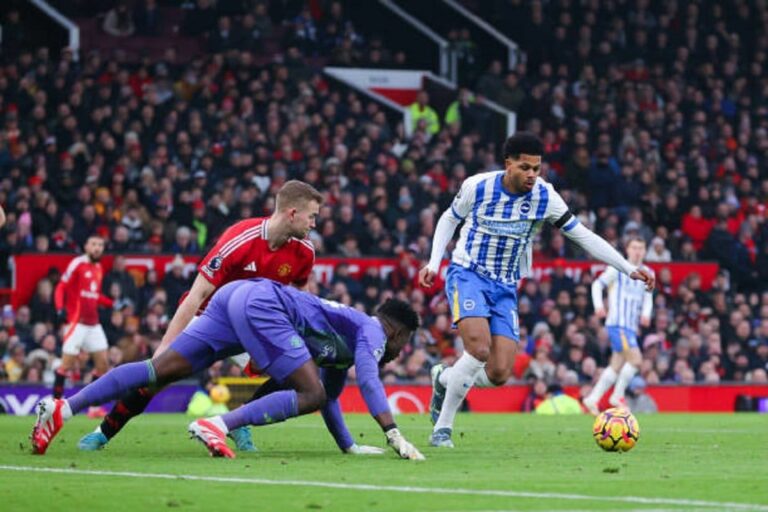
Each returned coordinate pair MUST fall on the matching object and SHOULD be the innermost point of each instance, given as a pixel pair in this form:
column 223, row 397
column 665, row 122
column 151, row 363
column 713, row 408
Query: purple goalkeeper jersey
column 274, row 323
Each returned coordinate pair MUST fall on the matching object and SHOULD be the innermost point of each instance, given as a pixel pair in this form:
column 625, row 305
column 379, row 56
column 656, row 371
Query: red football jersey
column 243, row 252
column 79, row 291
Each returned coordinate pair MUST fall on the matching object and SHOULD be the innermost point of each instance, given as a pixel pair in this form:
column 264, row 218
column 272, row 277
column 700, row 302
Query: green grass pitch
column 500, row 463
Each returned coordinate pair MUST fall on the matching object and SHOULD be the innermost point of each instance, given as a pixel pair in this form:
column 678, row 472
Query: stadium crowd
column 655, row 120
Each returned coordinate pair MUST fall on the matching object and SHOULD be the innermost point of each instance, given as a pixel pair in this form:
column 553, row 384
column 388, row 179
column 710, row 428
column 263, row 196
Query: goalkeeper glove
column 361, row 449
column 402, row 447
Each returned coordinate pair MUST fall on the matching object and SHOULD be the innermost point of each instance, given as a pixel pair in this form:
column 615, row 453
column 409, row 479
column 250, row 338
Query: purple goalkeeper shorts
column 245, row 315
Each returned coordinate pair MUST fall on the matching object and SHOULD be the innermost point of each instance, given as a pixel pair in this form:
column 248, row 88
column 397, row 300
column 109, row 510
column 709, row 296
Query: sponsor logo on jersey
column 328, row 352
column 284, row 270
column 378, row 353
column 296, row 342
column 88, row 274
column 251, row 267
column 215, row 263
column 212, row 266
column 504, row 227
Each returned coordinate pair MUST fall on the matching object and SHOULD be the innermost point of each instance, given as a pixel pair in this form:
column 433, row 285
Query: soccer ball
column 616, row 430
column 219, row 394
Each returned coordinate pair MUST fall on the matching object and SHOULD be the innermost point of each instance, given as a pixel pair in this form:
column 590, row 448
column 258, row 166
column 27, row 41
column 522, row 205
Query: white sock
column 216, row 420
column 482, row 380
column 625, row 375
column 606, row 380
column 66, row 411
column 445, row 376
column 460, row 381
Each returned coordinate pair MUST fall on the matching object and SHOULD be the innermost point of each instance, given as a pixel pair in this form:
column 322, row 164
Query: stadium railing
column 494, row 45
column 62, row 23
column 402, row 32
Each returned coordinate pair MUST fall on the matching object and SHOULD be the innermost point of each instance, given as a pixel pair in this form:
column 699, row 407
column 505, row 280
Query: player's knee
column 312, row 399
column 498, row 376
column 479, row 351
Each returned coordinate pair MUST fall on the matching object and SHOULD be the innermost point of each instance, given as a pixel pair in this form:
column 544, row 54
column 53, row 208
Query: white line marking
column 396, row 488
column 590, row 510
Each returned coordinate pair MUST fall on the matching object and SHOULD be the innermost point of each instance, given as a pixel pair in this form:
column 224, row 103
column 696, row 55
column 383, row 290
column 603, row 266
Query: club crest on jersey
column 469, row 305
column 525, row 208
column 283, row 270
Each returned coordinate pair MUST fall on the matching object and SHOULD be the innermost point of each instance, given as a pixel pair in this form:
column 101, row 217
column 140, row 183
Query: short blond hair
column 295, row 194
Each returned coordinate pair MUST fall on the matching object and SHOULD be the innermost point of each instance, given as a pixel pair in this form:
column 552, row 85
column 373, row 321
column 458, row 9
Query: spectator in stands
column 147, row 18
column 200, row 19
column 638, row 400
column 14, row 35
column 107, row 145
column 224, row 37
column 41, row 305
column 14, row 364
column 118, row 21
column 118, row 274
column 175, row 283
column 658, row 251
column 511, row 95
column 422, row 112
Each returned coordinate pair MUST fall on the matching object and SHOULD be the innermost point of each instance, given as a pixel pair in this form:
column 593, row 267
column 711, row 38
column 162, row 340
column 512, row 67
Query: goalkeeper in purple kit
column 288, row 334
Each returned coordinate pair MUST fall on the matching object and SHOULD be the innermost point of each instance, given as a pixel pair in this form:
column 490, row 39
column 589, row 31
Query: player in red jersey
column 77, row 299
column 276, row 248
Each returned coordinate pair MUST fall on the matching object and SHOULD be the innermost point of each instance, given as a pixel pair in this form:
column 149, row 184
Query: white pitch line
column 396, row 488
column 591, row 510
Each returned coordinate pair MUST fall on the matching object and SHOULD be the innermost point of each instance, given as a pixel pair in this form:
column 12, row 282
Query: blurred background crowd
column 655, row 120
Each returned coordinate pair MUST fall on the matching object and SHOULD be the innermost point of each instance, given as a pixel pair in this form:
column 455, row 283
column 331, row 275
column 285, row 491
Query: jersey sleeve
column 465, row 198
column 307, row 263
column 368, row 352
column 557, row 213
column 70, row 273
column 647, row 308
column 220, row 260
column 68, row 280
column 333, row 380
column 606, row 279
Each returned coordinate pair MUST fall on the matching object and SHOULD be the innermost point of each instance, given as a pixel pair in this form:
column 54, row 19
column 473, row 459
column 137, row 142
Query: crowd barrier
column 20, row 399
column 28, row 269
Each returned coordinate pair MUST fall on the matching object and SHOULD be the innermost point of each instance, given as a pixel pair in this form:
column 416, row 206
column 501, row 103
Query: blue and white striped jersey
column 497, row 236
column 628, row 299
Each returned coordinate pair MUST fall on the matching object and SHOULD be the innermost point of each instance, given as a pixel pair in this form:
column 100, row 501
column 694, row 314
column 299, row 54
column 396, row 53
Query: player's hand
column 427, row 277
column 61, row 317
column 402, row 447
column 361, row 449
column 643, row 275
column 600, row 313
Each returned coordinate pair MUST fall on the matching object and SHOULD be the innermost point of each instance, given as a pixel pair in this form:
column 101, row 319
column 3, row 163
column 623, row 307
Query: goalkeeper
column 288, row 334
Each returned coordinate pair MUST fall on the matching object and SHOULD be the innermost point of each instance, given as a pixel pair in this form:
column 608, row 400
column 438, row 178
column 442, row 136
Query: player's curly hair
column 400, row 312
column 523, row 143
